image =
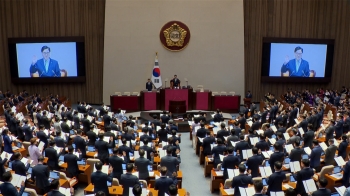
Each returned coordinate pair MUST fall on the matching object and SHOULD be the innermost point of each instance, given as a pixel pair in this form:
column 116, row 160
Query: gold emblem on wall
column 175, row 36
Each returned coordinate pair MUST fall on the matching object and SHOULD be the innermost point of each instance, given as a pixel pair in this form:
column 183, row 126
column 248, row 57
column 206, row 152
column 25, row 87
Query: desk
column 150, row 100
column 215, row 181
column 129, row 103
column 113, row 190
column 82, row 177
column 333, row 182
column 156, row 172
column 167, row 95
column 180, row 192
column 226, row 103
column 292, row 184
column 208, row 166
column 202, row 100
column 201, row 156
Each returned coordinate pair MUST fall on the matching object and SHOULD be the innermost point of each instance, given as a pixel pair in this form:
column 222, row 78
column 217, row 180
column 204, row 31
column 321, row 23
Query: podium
column 177, row 107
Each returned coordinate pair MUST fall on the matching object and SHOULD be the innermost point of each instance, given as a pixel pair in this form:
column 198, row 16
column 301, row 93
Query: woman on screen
column 297, row 67
column 45, row 67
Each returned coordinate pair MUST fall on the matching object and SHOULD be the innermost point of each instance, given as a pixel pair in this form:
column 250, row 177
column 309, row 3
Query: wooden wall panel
column 40, row 18
column 323, row 19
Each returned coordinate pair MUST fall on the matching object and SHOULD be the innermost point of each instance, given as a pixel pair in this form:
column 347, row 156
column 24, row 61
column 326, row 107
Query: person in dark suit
column 7, row 141
column 339, row 127
column 99, row 179
column 142, row 164
column 296, row 152
column 222, row 133
column 281, row 128
column 241, row 121
column 107, row 119
column 80, row 143
column 124, row 148
column 54, row 186
column 232, row 138
column 264, row 115
column 176, row 82
column 162, row 133
column 297, row 67
column 128, row 180
column 7, row 189
column 281, row 141
column 254, row 162
column 207, row 143
column 276, row 179
column 59, row 140
column 276, row 156
column 229, row 162
column 259, row 189
column 201, row 132
column 45, row 120
column 315, row 156
column 148, row 129
column 64, row 126
column 256, row 124
column 268, row 132
column 242, row 180
column 303, row 123
column 148, row 150
column 346, row 175
column 102, row 148
column 330, row 131
column 40, row 175
column 18, row 166
column 155, row 122
column 45, row 67
column 86, row 123
column 52, row 156
column 305, row 173
column 20, row 132
column 218, row 150
column 343, row 146
column 322, row 190
column 42, row 135
column 149, row 85
column 162, row 184
column 170, row 162
column 241, row 145
column 330, row 153
column 71, row 160
column 116, row 161
column 237, row 129
column 248, row 95
column 309, row 136
column 245, row 111
column 76, row 120
column 2, row 168
column 165, row 118
column 218, row 116
column 28, row 132
column 114, row 125
column 262, row 144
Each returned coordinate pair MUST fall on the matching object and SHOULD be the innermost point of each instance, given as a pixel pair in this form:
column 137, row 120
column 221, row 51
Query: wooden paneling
column 40, row 18
column 320, row 19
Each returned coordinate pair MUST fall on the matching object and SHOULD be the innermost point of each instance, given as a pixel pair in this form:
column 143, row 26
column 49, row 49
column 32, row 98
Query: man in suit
column 86, row 123
column 162, row 184
column 7, row 189
column 245, row 111
column 241, row 145
column 339, row 127
column 254, row 162
column 40, row 174
column 236, row 129
column 71, row 160
column 116, row 161
column 148, row 150
column 330, row 130
column 232, row 138
column 45, row 67
column 229, row 162
column 309, row 136
column 276, row 156
column 296, row 152
column 242, row 180
column 293, row 135
column 42, row 135
column 64, row 126
column 18, row 166
column 305, row 173
column 128, row 180
column 278, row 119
column 76, row 120
column 102, row 148
column 99, row 179
column 27, row 130
column 92, row 137
column 207, row 143
column 124, row 148
column 45, row 120
column 276, row 179
column 346, row 175
column 280, row 140
column 80, row 143
column 303, row 123
column 241, row 121
column 222, row 133
column 52, row 156
column 169, row 161
column 149, row 85
column 142, row 164
column 165, row 118
column 176, row 82
column 256, row 125
column 54, row 186
column 60, row 141
column 248, row 95
column 262, row 144
column 343, row 146
column 330, row 153
column 297, row 67
column 259, row 188
column 268, row 132
column 315, row 156
column 107, row 119
column 218, row 116
column 322, row 190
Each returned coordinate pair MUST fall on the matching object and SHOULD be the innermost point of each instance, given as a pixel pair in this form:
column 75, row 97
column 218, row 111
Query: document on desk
column 309, row 185
column 307, row 150
column 323, row 146
column 219, row 173
column 287, row 186
column 294, row 166
column 230, row 191
column 3, row 155
column 340, row 190
column 279, row 193
column 247, row 191
column 265, row 171
column 337, row 176
column 340, row 161
column 64, row 191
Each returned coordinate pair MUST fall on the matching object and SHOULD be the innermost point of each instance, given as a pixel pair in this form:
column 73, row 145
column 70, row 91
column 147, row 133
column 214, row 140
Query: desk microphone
column 54, row 73
column 303, row 73
column 41, row 74
column 291, row 73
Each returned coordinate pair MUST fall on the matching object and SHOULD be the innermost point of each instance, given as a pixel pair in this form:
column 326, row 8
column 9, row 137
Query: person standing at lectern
column 297, row 67
column 149, row 85
column 176, row 82
column 45, row 67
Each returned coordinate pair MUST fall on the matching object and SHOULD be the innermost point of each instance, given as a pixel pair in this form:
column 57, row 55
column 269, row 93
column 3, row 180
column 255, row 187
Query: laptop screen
column 150, row 168
column 124, row 166
column 25, row 194
column 10, row 164
column 286, row 160
column 335, row 194
column 19, row 144
column 91, row 148
column 110, row 150
column 304, row 156
column 61, row 158
column 82, row 162
column 337, row 169
column 54, row 175
column 292, row 178
column 109, row 183
column 264, row 182
column 29, row 170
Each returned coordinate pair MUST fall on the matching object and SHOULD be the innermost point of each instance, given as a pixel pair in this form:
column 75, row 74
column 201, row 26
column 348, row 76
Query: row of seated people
column 269, row 137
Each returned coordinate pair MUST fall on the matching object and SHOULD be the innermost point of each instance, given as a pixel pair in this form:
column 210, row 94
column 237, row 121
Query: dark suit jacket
column 329, row 133
column 116, row 162
column 217, row 151
column 127, row 150
column 46, row 122
column 242, row 122
column 72, row 164
column 342, row 149
column 55, row 193
column 163, row 135
column 142, row 167
column 201, row 132
column 65, row 128
column 262, row 145
column 229, row 162
column 76, row 121
column 41, row 175
column 304, row 174
column 221, row 133
column 295, row 154
column 128, row 180
column 253, row 164
column 86, row 124
column 339, row 129
column 149, row 86
column 241, row 180
column 268, row 133
column 52, row 71
column 148, row 150
column 162, row 185
column 43, row 137
column 315, row 156
column 165, row 119
column 275, row 181
column 7, row 144
column 19, row 167
column 7, row 189
column 102, row 149
column 206, row 145
column 303, row 125
column 276, row 156
column 263, row 117
column 346, row 175
column 2, row 168
column 107, row 120
column 242, row 145
column 92, row 138
column 170, row 163
column 329, row 155
column 52, row 156
column 255, row 126
column 99, row 180
column 80, row 144
column 322, row 192
column 303, row 70
column 60, row 142
column 308, row 138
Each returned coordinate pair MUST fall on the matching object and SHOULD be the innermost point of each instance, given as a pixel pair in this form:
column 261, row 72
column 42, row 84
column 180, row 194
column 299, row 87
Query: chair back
column 115, row 182
column 26, row 146
column 127, row 93
column 92, row 162
column 218, row 167
column 257, row 179
column 118, row 93
column 143, row 182
column 326, row 170
column 228, row 183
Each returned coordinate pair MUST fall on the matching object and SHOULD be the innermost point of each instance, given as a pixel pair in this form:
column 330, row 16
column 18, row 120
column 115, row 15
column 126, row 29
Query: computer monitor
column 19, row 144
column 30, row 170
column 335, row 194
column 109, row 183
column 150, row 168
column 110, row 150
column 10, row 164
column 264, row 181
column 61, row 158
column 54, row 175
column 25, row 194
column 82, row 162
column 304, row 156
column 272, row 148
column 72, row 132
column 124, row 166
column 91, row 148
column 74, row 146
column 337, row 169
column 286, row 160
column 291, row 178
column 267, row 164
column 273, row 136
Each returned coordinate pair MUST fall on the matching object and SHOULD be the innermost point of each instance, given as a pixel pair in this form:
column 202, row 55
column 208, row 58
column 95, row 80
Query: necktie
column 298, row 64
column 46, row 65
